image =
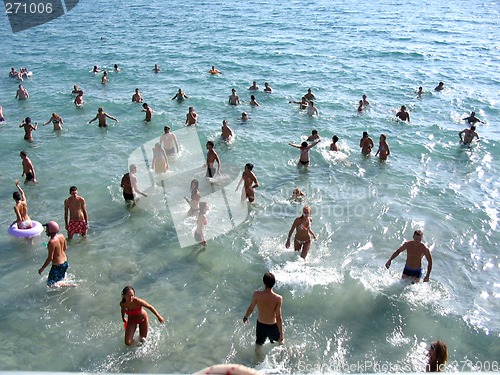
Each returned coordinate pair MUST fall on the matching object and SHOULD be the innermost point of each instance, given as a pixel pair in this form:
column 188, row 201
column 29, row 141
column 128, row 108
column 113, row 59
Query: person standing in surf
column 133, row 308
column 303, row 234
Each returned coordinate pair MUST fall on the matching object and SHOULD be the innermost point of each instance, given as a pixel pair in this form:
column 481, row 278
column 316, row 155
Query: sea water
column 342, row 310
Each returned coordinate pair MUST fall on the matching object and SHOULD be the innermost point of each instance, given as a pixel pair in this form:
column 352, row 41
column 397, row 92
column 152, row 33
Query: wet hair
column 72, row 189
column 211, row 143
column 269, row 280
column 196, row 185
column 365, row 134
column 249, row 166
column 166, row 127
column 27, row 120
column 314, row 131
column 335, row 138
column 23, row 153
column 125, row 290
column 100, row 109
column 303, row 144
column 17, row 196
column 383, row 136
column 203, row 207
column 437, row 362
column 252, row 97
column 418, row 232
column 145, row 105
column 473, row 128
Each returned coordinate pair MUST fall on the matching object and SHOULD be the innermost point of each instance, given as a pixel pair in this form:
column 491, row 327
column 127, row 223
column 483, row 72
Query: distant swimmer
column 104, row 78
column 214, row 71
column 194, row 201
column 303, row 103
column 383, row 148
column 314, row 136
column 468, row 135
column 13, row 73
column 28, row 129
column 234, row 99
column 130, row 186
column 309, row 96
column 366, row 144
column 312, row 110
column 269, row 323
column 23, row 220
column 95, row 69
column 160, row 159
column 415, row 251
column 250, row 183
column 149, row 112
column 333, row 145
column 304, row 152
column 56, row 121
column 191, row 117
column 2, row 119
column 133, row 307
column 267, row 88
column 75, row 90
column 22, row 93
column 75, row 214
column 420, row 91
column 439, row 87
column 253, row 102
column 180, row 96
column 298, row 194
column 212, row 157
column 254, row 86
column 402, row 114
column 137, row 97
column 79, row 99
column 244, row 116
column 227, row 132
column 168, row 141
column 101, row 115
column 56, row 254
column 365, row 101
column 201, row 223
column 361, row 106
column 303, row 233
column 28, row 168
column 116, row 68
column 156, row 68
column 472, row 119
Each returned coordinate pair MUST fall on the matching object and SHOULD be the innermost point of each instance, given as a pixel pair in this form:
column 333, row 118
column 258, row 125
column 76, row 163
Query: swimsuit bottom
column 57, row 273
column 413, row 272
column 264, row 331
column 77, row 227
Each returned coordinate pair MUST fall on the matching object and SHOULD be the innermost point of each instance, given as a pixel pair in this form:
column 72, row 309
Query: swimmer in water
column 214, row 71
column 101, row 115
column 302, row 239
column 304, row 152
column 56, row 120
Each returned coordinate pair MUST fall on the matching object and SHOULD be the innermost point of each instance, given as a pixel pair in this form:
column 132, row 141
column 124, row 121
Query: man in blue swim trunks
column 415, row 251
column 269, row 321
column 56, row 255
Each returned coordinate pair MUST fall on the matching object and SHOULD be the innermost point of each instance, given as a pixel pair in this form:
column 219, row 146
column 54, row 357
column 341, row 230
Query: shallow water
column 342, row 309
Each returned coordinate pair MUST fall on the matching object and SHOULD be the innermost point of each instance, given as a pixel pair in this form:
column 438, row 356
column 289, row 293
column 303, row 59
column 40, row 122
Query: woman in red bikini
column 302, row 239
column 133, row 307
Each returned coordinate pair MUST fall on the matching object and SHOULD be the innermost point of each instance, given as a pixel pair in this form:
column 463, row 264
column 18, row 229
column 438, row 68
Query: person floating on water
column 214, row 71
column 250, row 183
column 415, row 251
column 302, row 239
column 56, row 249
column 468, row 135
column 439, row 87
column 472, row 119
column 304, row 152
column 136, row 315
column 269, row 323
column 28, row 168
column 75, row 214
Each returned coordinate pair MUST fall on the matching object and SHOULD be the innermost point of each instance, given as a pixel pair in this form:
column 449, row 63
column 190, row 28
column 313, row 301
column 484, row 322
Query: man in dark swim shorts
column 56, row 255
column 57, row 273
column 269, row 321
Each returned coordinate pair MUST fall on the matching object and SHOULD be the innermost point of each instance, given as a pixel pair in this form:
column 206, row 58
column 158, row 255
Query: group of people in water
column 269, row 323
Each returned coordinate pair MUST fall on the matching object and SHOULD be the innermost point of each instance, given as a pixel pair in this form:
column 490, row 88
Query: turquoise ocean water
column 343, row 311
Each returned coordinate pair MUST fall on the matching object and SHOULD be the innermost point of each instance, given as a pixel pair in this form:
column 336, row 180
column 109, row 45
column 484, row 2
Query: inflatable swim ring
column 35, row 230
